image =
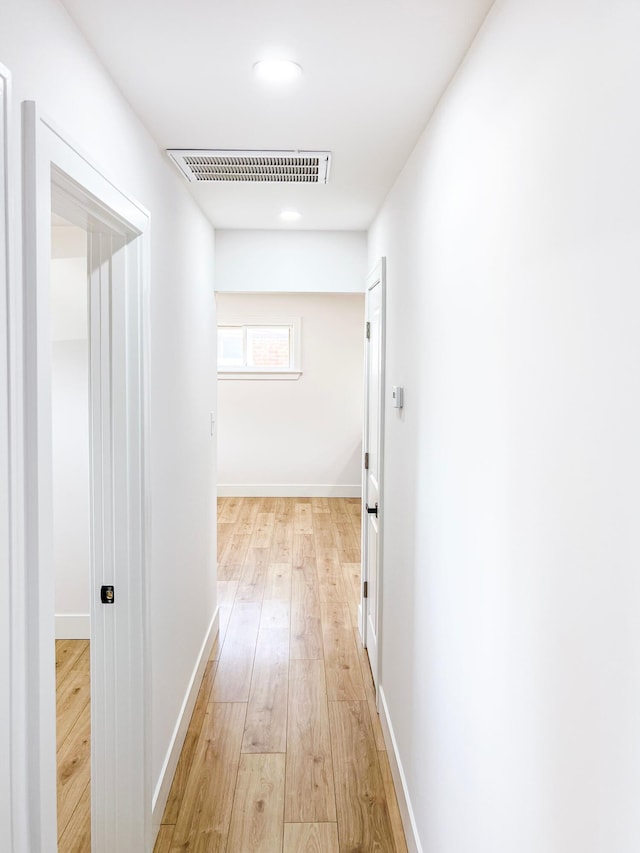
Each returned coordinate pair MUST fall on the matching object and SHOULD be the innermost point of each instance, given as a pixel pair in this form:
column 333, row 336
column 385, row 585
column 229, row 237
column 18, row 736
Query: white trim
column 242, row 373
column 39, row 621
column 399, row 779
column 129, row 213
column 9, row 797
column 284, row 490
column 20, row 834
column 73, row 626
column 55, row 169
column 163, row 786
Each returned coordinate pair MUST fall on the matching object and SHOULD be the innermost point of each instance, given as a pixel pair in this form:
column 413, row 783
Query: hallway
column 284, row 751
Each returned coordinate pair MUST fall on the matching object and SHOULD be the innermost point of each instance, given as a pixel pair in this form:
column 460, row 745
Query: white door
column 372, row 503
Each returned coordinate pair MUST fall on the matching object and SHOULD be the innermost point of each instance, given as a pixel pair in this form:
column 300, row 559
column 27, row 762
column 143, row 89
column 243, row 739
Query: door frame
column 377, row 276
column 54, row 167
column 8, row 718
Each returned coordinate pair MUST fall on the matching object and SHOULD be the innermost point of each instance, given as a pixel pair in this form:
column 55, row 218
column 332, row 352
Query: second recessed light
column 290, row 215
column 277, row 71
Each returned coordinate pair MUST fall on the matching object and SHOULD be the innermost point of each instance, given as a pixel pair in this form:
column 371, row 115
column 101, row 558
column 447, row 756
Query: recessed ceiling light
column 277, row 71
column 290, row 215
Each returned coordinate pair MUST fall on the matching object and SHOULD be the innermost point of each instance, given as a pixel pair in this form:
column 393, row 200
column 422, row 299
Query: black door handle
column 372, row 510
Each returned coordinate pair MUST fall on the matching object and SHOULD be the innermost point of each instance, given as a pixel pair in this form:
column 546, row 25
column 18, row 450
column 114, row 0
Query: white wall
column 71, row 532
column 52, row 64
column 70, row 436
column 302, row 437
column 295, row 261
column 511, row 637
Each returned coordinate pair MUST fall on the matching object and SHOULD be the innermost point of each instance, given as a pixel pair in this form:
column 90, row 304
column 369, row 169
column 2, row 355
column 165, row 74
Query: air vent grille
column 274, row 167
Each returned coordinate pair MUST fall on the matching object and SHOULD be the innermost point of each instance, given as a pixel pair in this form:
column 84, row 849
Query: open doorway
column 60, row 182
column 70, row 397
column 292, row 426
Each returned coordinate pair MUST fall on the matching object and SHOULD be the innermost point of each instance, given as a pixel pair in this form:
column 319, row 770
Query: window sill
column 260, row 374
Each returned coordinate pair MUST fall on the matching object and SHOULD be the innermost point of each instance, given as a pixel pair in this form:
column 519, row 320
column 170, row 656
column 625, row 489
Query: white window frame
column 293, row 372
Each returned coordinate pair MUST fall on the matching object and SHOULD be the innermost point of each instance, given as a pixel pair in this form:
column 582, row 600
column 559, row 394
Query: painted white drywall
column 70, row 432
column 71, row 500
column 301, row 437
column 511, row 637
column 53, row 65
column 294, row 261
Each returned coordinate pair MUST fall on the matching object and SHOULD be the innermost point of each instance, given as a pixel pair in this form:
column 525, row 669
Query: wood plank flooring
column 284, row 753
column 73, row 743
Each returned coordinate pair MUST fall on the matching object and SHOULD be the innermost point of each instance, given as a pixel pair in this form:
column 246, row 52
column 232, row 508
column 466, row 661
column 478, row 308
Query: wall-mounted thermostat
column 397, row 395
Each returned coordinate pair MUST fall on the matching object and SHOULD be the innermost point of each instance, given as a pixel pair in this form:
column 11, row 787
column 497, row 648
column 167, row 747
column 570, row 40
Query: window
column 259, row 350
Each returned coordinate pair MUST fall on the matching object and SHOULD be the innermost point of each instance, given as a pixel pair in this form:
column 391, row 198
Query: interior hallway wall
column 272, row 261
column 70, row 432
column 71, row 496
column 298, row 437
column 511, row 638
column 52, row 64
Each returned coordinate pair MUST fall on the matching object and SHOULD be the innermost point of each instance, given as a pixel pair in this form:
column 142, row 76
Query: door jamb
column 11, row 816
column 50, row 157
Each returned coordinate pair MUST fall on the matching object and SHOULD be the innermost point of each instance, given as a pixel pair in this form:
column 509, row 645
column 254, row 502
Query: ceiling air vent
column 272, row 167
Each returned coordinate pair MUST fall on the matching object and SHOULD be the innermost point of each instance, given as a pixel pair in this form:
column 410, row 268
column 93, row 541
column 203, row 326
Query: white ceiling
column 373, row 73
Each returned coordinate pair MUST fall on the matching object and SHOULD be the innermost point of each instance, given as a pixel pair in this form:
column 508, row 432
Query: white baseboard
column 291, row 490
column 161, row 793
column 404, row 802
column 73, row 626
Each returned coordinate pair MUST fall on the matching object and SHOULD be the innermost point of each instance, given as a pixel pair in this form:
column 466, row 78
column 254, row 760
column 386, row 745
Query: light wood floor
column 73, row 743
column 284, row 753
